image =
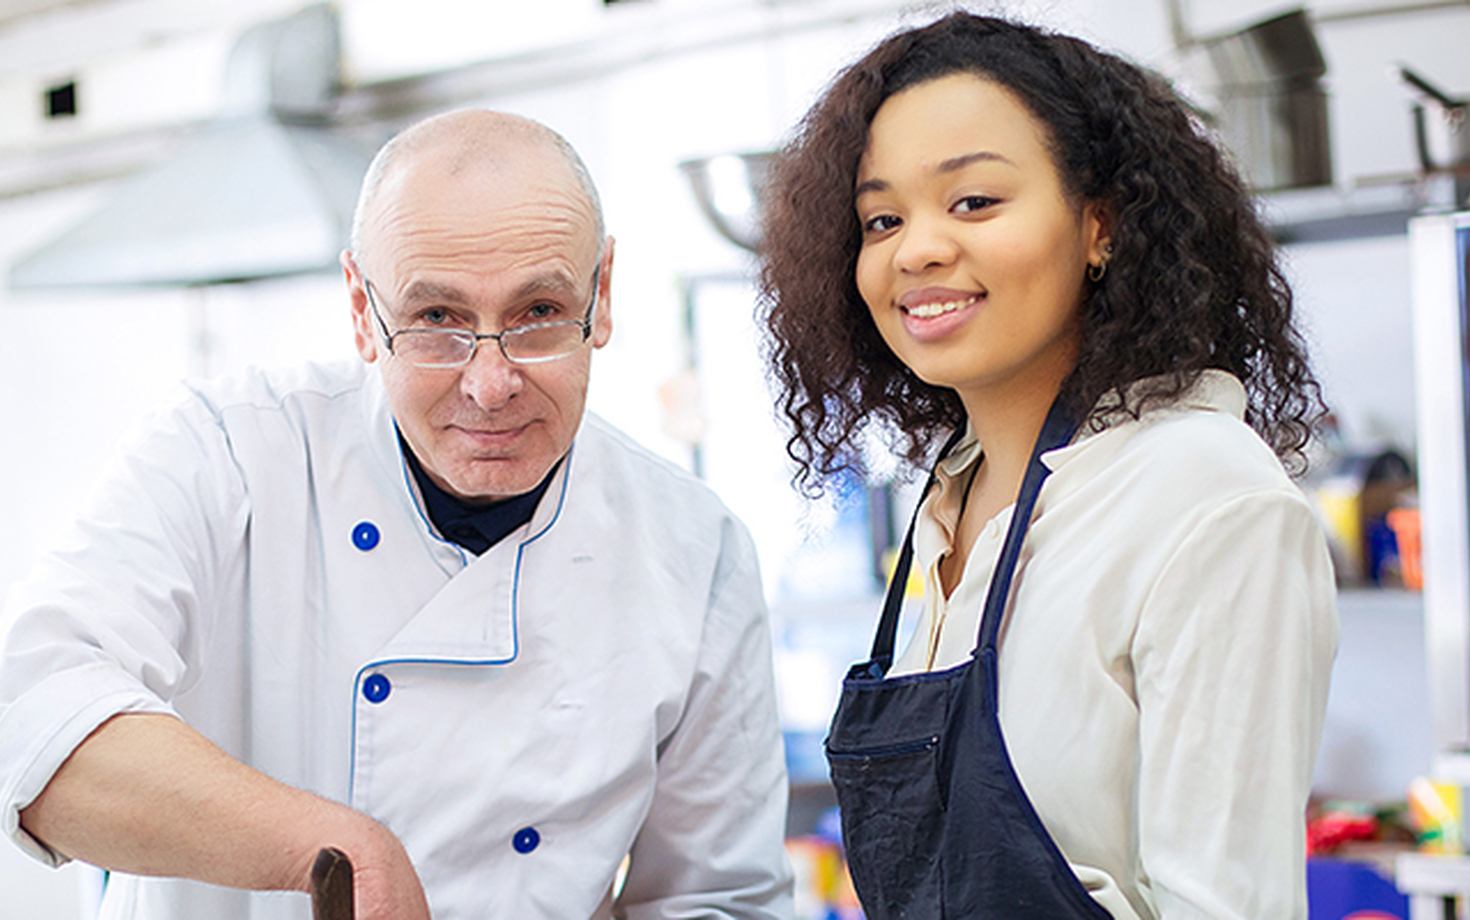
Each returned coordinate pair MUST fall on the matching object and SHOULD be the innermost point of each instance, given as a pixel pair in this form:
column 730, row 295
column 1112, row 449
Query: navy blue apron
column 934, row 821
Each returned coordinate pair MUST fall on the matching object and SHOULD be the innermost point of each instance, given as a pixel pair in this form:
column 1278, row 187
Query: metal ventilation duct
column 1273, row 106
column 266, row 190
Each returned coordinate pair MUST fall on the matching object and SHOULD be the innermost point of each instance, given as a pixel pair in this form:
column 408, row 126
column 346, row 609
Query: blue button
column 376, row 688
column 365, row 536
column 526, row 840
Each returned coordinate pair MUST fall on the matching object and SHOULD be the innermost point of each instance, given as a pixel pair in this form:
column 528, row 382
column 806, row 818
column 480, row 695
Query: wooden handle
column 331, row 886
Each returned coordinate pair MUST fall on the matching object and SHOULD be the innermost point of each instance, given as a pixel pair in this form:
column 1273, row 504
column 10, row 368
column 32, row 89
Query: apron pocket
column 892, row 816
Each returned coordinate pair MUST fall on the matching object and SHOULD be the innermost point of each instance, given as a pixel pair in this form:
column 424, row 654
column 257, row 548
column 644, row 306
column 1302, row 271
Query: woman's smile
column 931, row 314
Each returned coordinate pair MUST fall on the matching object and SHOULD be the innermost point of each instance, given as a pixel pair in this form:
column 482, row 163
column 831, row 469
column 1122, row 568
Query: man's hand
column 148, row 795
column 331, row 886
column 384, row 883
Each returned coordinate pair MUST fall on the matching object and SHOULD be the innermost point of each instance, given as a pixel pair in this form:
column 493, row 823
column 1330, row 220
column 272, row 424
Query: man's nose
column 925, row 243
column 490, row 379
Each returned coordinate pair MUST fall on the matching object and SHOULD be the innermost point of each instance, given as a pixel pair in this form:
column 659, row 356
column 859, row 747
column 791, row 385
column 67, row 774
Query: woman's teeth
column 926, row 310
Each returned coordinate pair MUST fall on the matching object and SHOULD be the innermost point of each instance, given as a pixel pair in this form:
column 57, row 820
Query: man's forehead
column 502, row 217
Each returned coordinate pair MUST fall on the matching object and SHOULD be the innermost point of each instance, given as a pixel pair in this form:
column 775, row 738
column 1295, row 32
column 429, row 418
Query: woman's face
column 973, row 259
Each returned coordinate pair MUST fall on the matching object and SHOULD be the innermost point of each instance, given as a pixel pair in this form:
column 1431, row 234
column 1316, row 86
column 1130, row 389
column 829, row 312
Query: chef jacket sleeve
column 712, row 844
column 1232, row 658
column 110, row 621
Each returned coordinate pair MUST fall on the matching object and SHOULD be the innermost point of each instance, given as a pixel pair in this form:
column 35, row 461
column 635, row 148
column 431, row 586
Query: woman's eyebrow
column 945, row 166
column 965, row 159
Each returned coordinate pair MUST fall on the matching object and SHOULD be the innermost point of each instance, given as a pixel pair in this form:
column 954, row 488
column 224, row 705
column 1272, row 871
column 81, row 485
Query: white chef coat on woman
column 596, row 684
column 1164, row 660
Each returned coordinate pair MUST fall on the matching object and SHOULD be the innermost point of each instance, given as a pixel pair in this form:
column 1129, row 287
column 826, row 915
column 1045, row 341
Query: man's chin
column 496, row 480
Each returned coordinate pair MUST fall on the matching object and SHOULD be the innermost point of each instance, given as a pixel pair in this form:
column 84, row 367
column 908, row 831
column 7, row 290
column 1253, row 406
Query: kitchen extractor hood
column 1273, row 106
column 267, row 189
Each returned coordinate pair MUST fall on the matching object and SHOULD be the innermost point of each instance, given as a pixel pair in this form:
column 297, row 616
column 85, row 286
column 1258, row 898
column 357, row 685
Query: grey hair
column 418, row 134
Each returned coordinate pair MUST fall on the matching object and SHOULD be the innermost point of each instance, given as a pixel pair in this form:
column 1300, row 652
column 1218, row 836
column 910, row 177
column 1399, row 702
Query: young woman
column 1003, row 238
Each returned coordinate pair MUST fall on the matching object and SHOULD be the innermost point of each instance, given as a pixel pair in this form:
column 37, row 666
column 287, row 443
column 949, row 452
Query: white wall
column 1354, row 301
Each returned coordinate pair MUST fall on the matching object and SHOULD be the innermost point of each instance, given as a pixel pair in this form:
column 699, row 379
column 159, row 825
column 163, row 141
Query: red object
column 1332, row 830
column 1405, row 525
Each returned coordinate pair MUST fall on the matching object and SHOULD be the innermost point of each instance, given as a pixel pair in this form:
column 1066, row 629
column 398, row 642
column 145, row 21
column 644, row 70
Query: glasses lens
column 544, row 342
column 431, row 348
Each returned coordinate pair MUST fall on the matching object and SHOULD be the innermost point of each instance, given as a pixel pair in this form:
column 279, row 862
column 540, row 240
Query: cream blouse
column 1165, row 656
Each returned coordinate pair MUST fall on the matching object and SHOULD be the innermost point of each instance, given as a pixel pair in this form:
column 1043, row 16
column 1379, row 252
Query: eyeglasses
column 445, row 348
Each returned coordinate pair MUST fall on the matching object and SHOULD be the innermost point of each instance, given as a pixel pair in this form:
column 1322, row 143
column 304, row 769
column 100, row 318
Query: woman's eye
column 972, row 203
column 882, row 223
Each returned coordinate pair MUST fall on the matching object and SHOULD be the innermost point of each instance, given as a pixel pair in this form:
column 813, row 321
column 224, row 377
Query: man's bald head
column 467, row 139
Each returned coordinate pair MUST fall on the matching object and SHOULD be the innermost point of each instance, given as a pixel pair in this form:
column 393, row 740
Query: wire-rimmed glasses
column 445, row 348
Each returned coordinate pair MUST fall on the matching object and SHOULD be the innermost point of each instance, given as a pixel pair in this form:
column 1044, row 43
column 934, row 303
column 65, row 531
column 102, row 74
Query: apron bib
column 934, row 820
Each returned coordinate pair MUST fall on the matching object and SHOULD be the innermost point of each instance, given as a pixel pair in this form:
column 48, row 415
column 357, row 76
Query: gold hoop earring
column 1095, row 272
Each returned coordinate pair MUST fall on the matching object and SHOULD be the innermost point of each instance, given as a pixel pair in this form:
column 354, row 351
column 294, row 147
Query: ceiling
column 12, row 10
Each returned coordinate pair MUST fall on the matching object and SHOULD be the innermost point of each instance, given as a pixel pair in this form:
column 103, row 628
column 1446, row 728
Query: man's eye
column 433, row 316
column 541, row 312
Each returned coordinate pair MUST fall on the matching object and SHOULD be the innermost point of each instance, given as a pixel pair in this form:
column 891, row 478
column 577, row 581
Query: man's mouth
column 489, row 435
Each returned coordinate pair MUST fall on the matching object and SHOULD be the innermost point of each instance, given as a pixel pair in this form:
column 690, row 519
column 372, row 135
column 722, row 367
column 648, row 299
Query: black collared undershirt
column 473, row 526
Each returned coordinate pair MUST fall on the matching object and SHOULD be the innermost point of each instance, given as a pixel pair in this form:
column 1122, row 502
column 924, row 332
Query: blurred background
column 176, row 178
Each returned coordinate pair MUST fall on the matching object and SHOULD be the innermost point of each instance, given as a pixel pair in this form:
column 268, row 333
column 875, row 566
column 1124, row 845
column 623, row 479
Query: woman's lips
column 938, row 308
column 930, row 318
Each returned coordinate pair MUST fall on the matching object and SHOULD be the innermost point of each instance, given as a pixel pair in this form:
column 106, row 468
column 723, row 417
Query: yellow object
column 1342, row 513
column 823, row 886
column 1438, row 815
column 915, row 585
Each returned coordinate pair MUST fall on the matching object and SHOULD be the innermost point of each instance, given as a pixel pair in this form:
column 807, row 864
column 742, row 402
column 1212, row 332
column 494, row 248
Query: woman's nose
column 924, row 243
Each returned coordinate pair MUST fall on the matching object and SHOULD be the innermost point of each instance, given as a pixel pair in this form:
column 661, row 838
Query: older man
column 427, row 612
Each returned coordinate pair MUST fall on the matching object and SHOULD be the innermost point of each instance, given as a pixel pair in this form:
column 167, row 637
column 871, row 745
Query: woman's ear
column 1098, row 226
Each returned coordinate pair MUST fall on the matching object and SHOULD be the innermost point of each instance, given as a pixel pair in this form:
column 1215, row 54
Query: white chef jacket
column 1164, row 660
column 597, row 684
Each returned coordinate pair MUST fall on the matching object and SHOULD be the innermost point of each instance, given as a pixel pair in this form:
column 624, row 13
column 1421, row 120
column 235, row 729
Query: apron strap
column 882, row 654
column 1056, row 431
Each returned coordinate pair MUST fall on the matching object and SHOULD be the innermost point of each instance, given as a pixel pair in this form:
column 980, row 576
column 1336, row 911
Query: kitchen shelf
column 1432, row 882
column 1452, row 767
column 1367, row 601
column 1369, row 208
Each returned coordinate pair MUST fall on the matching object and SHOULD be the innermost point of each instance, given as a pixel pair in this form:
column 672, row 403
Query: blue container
column 1341, row 890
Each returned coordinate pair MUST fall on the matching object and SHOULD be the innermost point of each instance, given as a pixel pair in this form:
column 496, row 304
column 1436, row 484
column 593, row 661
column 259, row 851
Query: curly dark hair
column 1193, row 282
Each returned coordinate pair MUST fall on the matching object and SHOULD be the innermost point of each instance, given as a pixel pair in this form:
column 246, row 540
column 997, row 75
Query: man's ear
column 363, row 334
column 602, row 316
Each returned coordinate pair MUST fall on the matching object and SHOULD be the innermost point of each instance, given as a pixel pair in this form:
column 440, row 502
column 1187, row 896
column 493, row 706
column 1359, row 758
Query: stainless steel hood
column 268, row 189
column 1273, row 105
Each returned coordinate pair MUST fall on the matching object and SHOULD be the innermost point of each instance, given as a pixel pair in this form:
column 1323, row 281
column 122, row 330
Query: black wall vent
column 61, row 101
